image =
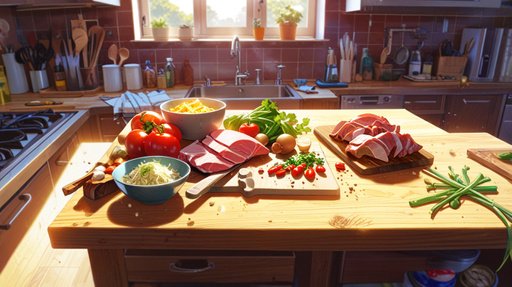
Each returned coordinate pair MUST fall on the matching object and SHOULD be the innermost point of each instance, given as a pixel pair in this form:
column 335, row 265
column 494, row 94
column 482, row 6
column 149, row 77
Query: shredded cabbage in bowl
column 151, row 173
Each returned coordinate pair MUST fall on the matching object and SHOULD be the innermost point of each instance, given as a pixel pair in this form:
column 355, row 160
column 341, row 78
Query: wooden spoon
column 112, row 53
column 124, row 54
column 97, row 33
column 384, row 55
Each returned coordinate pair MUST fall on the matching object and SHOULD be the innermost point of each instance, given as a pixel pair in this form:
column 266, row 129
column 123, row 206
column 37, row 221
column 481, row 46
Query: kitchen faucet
column 236, row 51
column 279, row 75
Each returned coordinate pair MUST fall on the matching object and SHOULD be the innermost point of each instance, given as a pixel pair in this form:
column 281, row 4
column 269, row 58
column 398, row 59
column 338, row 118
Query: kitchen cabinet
column 473, row 113
column 101, row 127
column 429, row 107
column 50, row 4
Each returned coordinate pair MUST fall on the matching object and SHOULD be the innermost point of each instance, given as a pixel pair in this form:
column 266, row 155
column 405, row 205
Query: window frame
column 202, row 32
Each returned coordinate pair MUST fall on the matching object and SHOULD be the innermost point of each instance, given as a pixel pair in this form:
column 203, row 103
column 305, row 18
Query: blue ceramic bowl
column 151, row 194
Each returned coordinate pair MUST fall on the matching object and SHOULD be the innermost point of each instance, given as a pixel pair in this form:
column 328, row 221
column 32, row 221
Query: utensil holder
column 112, row 80
column 346, row 71
column 16, row 77
column 39, row 80
column 89, row 78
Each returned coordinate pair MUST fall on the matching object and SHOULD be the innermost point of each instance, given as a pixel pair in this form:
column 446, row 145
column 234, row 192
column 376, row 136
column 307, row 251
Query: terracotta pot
column 160, row 34
column 287, row 31
column 185, row 34
column 258, row 32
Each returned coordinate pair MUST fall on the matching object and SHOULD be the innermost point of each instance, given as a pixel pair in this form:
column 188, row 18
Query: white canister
column 15, row 74
column 112, row 81
column 39, row 80
column 133, row 76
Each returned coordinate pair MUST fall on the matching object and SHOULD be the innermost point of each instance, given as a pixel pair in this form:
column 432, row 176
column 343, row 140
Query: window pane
column 175, row 12
column 274, row 7
column 226, row 13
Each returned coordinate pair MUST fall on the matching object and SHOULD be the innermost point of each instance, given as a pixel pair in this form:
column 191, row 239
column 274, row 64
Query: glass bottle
column 170, row 73
column 149, row 75
column 60, row 78
column 161, row 79
column 188, row 73
column 366, row 66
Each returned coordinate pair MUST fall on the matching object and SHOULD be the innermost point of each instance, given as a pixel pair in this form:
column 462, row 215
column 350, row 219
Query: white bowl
column 195, row 126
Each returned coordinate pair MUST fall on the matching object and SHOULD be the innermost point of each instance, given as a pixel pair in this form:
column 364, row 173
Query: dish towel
column 129, row 104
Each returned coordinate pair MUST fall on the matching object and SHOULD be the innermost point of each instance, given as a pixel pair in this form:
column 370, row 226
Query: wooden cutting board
column 263, row 184
column 368, row 165
column 488, row 158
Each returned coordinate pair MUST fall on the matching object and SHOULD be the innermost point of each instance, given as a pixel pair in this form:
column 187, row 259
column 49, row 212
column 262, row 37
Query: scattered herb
column 271, row 121
column 456, row 186
column 505, row 155
column 310, row 159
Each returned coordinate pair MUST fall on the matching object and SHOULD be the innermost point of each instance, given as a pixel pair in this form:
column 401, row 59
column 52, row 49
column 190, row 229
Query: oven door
column 371, row 101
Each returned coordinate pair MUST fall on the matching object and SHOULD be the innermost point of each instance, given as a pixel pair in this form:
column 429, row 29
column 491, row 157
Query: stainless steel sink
column 249, row 96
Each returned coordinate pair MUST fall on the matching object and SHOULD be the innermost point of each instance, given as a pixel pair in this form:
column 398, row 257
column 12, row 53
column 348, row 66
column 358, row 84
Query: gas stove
column 28, row 140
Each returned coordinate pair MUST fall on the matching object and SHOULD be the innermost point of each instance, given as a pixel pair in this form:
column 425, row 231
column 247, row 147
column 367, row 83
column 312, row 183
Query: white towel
column 130, row 103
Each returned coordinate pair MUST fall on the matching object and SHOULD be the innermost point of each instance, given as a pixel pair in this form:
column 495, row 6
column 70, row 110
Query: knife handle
column 204, row 185
column 73, row 186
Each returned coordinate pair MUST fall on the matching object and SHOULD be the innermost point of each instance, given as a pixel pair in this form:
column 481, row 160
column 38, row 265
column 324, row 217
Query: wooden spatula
column 112, row 53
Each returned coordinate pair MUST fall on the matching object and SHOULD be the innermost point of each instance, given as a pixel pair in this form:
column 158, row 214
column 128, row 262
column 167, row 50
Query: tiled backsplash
column 303, row 59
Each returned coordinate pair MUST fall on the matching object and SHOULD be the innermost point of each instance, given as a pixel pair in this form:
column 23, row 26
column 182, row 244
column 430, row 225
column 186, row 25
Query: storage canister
column 133, row 76
column 112, row 81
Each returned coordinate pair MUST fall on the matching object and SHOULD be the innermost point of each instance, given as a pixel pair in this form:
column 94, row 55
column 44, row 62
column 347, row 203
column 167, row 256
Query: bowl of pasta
column 151, row 179
column 196, row 118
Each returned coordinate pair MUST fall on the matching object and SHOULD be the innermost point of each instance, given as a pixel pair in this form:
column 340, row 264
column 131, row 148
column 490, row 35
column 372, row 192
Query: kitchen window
column 223, row 18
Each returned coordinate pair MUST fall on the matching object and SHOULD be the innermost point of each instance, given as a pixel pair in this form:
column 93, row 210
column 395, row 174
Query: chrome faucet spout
column 236, row 51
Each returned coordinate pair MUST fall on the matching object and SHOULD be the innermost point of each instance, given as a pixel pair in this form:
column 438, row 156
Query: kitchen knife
column 204, row 185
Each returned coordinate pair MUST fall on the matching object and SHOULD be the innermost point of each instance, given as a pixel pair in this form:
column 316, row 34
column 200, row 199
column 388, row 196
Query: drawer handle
column 476, row 101
column 23, row 197
column 426, row 102
column 191, row 266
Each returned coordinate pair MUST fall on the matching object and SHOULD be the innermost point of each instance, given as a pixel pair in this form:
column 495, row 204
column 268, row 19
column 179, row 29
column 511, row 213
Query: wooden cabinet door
column 473, row 113
column 428, row 107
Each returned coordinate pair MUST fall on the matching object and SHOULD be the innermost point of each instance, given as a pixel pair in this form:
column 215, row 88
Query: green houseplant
column 288, row 19
column 160, row 29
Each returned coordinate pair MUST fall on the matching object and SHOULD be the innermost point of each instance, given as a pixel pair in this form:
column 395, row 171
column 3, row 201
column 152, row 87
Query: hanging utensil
column 384, row 55
column 402, row 55
column 97, row 34
column 112, row 53
column 124, row 54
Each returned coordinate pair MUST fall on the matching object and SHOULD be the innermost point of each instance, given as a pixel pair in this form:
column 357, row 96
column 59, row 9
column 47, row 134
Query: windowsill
column 210, row 40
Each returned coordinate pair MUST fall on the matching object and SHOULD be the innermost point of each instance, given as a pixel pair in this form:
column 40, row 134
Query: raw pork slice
column 370, row 146
column 239, row 143
column 222, row 150
column 203, row 159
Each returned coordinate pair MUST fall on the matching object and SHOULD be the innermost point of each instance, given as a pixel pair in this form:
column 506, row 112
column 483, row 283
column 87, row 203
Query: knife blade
column 202, row 186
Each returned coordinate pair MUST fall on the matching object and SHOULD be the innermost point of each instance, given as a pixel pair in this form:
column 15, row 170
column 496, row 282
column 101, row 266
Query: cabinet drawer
column 212, row 267
column 110, row 127
column 425, row 103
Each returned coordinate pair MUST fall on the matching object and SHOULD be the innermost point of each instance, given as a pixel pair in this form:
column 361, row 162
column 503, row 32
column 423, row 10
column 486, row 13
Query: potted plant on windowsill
column 257, row 29
column 185, row 33
column 287, row 20
column 160, row 29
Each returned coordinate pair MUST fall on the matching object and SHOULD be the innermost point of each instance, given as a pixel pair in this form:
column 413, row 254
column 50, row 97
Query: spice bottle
column 60, row 78
column 169, row 73
column 161, row 79
column 366, row 66
column 188, row 73
column 149, row 75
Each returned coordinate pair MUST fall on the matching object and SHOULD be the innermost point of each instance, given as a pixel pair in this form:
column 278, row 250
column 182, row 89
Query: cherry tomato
column 110, row 169
column 290, row 167
column 339, row 166
column 310, row 174
column 274, row 169
column 134, row 143
column 297, row 172
column 301, row 167
column 281, row 173
column 169, row 129
column 320, row 169
column 249, row 129
column 162, row 144
column 146, row 121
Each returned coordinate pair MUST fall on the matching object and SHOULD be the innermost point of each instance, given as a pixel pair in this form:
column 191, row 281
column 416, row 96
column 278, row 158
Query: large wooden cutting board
column 324, row 184
column 488, row 158
column 368, row 165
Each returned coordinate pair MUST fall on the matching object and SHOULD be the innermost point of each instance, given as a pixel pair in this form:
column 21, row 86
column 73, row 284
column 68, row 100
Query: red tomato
column 110, row 169
column 297, row 172
column 281, row 173
column 320, row 169
column 146, row 121
column 310, row 174
column 134, row 143
column 162, row 144
column 290, row 167
column 339, row 166
column 169, row 129
column 301, row 167
column 249, row 129
column 274, row 169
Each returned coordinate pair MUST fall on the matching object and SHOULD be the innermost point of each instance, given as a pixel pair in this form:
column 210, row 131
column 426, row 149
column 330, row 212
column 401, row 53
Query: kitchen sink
column 249, row 96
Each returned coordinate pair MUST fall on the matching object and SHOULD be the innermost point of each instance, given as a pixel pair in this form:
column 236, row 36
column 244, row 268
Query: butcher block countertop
column 371, row 213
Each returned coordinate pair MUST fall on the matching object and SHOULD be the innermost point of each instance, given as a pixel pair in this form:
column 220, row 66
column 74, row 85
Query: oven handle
column 27, row 198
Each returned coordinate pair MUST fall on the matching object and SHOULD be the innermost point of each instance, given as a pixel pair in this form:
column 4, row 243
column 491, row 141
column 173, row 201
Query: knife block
column 346, row 71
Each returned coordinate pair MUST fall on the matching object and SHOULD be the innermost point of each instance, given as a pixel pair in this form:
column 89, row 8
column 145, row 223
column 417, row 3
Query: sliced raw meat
column 337, row 128
column 388, row 140
column 239, row 143
column 412, row 145
column 371, row 147
column 360, row 139
column 222, row 150
column 204, row 159
column 369, row 119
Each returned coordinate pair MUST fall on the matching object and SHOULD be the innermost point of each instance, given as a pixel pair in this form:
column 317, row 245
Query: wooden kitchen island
column 371, row 214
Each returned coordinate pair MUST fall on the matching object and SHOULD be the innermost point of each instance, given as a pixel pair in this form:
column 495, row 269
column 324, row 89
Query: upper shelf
column 26, row 5
column 358, row 5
